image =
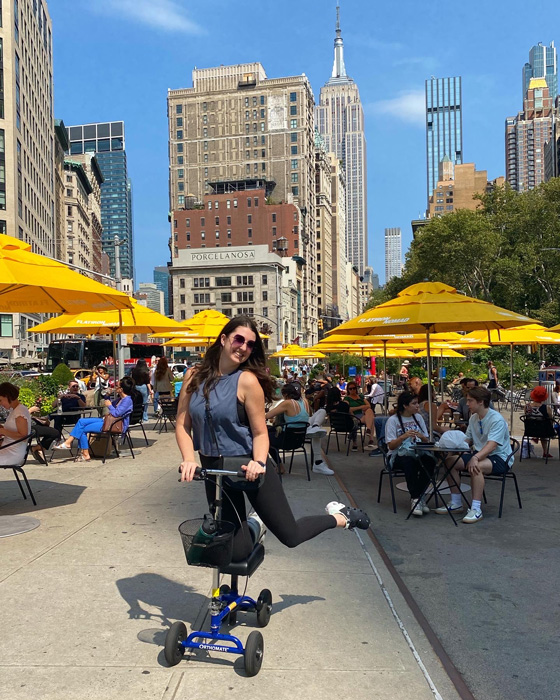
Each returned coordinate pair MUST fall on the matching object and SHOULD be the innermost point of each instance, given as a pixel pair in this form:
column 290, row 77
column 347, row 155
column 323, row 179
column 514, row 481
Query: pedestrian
column 162, row 382
column 222, row 412
column 141, row 376
column 492, row 375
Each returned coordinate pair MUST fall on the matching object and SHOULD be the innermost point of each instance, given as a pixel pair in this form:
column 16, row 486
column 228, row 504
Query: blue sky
column 115, row 59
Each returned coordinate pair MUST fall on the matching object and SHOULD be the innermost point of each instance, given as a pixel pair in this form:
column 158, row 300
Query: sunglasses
column 239, row 341
column 352, row 388
column 75, row 386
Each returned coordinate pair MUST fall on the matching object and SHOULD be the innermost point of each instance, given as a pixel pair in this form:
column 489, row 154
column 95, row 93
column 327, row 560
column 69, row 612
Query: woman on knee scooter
column 229, row 388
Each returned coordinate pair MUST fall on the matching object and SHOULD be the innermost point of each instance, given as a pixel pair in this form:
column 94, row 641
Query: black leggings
column 417, row 470
column 271, row 504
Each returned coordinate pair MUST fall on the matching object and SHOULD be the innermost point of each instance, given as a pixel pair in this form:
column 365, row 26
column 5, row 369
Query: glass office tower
column 444, row 126
column 543, row 63
column 107, row 141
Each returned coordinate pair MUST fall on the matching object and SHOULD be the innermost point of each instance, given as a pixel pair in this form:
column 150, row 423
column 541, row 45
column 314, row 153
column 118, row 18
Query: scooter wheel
column 264, row 607
column 174, row 650
column 254, row 652
column 224, row 589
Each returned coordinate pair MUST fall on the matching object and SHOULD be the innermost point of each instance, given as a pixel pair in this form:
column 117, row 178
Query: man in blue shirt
column 488, row 433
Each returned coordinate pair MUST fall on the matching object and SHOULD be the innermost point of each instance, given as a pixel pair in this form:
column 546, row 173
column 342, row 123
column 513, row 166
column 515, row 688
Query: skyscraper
column 543, row 63
column 161, row 280
column 526, row 135
column 27, row 164
column 106, row 141
column 393, row 253
column 340, row 120
column 444, row 126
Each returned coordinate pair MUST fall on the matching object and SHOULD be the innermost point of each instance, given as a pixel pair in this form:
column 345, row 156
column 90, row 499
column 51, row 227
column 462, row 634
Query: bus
column 84, row 353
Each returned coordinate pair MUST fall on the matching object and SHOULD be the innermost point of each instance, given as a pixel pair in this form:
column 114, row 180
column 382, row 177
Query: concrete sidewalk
column 87, row 597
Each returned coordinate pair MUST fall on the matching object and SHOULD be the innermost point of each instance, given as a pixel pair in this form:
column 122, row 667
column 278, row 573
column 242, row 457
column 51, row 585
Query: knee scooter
column 214, row 551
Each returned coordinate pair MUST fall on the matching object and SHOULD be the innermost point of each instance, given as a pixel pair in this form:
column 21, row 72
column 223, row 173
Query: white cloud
column 165, row 15
column 409, row 106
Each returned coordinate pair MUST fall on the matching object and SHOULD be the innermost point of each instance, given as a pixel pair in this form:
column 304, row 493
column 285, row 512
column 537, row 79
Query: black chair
column 292, row 440
column 137, row 418
column 347, row 425
column 18, row 467
column 168, row 413
column 510, row 474
column 541, row 428
column 391, row 472
column 111, row 437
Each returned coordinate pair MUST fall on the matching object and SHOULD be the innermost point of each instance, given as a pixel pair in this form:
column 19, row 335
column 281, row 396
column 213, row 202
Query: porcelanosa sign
column 221, row 255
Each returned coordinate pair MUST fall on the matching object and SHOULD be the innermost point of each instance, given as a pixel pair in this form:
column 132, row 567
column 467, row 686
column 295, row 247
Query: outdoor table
column 440, row 453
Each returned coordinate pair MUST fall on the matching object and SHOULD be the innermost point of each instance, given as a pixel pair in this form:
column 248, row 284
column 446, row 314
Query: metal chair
column 111, row 437
column 347, row 425
column 541, row 428
column 18, row 467
column 168, row 413
column 136, row 418
column 293, row 440
column 391, row 472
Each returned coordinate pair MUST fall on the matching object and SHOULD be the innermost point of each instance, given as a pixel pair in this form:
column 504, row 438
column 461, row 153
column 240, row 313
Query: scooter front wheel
column 174, row 650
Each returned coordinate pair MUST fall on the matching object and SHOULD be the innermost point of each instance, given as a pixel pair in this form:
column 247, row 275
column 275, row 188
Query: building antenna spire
column 339, row 69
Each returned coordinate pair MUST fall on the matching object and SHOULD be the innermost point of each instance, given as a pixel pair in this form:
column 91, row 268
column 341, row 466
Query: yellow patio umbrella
column 296, row 351
column 432, row 307
column 532, row 334
column 138, row 319
column 31, row 283
column 441, row 352
column 206, row 324
column 192, row 342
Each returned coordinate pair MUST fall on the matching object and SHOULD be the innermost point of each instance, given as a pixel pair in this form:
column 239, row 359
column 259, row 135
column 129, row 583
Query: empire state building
column 340, row 120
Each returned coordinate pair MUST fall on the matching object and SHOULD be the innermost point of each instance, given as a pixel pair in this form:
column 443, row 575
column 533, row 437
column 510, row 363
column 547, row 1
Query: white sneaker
column 416, row 506
column 316, row 430
column 425, row 508
column 322, row 468
column 442, row 510
column 473, row 516
column 257, row 527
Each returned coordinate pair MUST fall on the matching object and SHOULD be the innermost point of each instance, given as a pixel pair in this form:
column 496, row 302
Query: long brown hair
column 208, row 371
column 161, row 368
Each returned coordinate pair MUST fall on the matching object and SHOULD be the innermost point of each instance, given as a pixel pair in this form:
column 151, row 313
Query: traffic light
column 320, row 324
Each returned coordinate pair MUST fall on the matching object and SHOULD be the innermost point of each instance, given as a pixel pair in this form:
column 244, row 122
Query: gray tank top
column 233, row 437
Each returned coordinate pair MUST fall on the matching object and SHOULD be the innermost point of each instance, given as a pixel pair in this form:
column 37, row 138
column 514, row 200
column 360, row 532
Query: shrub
column 62, row 374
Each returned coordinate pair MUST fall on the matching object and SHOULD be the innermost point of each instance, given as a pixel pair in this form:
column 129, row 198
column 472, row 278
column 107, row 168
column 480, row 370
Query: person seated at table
column 402, row 430
column 17, row 425
column 438, row 412
column 537, row 408
column 46, row 434
column 463, row 408
column 341, row 385
column 361, row 410
column 414, row 385
column 555, row 397
column 457, row 379
column 70, row 400
column 375, row 394
column 488, row 433
column 292, row 410
column 122, row 406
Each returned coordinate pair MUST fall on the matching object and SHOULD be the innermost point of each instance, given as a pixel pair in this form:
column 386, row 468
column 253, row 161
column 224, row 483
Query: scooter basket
column 213, row 551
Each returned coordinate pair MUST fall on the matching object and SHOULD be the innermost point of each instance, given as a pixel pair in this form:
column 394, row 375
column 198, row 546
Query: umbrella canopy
column 192, row 342
column 432, row 307
column 371, row 350
column 138, row 319
column 441, row 352
column 391, row 338
column 207, row 324
column 35, row 284
column 295, row 351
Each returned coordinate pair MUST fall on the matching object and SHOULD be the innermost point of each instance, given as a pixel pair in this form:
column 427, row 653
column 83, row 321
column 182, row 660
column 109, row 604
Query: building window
column 182, row 283
column 202, row 221
column 181, row 186
column 179, row 160
column 256, row 201
column 293, row 150
column 6, row 326
column 217, row 234
column 293, row 137
column 187, row 223
column 293, row 110
column 183, row 315
column 245, row 280
column 249, row 233
column 264, row 279
column 265, row 311
column 182, row 299
column 69, row 210
column 294, row 163
column 188, row 235
column 235, row 203
column 274, row 218
column 223, row 281
column 295, row 191
column 180, row 173
column 248, row 201
column 179, row 123
column 203, row 235
column 179, row 134
column 226, row 297
column 179, row 148
column 245, row 296
column 295, row 177
column 293, row 96
column 249, row 218
column 217, row 220
column 228, row 205
column 179, row 109
column 274, row 230
column 265, row 296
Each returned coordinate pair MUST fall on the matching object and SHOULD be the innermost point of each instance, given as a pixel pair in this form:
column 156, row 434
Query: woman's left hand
column 107, row 402
column 253, row 470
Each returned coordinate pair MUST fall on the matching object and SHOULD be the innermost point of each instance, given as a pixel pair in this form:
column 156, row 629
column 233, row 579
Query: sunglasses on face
column 352, row 388
column 74, row 386
column 239, row 341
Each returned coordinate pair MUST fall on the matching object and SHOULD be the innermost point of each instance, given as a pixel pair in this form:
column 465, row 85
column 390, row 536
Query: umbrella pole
column 429, row 363
column 115, row 364
column 385, row 394
column 363, row 383
column 511, row 386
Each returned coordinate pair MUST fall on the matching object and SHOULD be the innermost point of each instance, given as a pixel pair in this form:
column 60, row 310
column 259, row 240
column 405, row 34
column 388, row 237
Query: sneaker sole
column 444, row 512
column 470, row 522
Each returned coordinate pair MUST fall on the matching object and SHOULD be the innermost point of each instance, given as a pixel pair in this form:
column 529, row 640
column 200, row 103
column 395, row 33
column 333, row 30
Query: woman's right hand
column 187, row 470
